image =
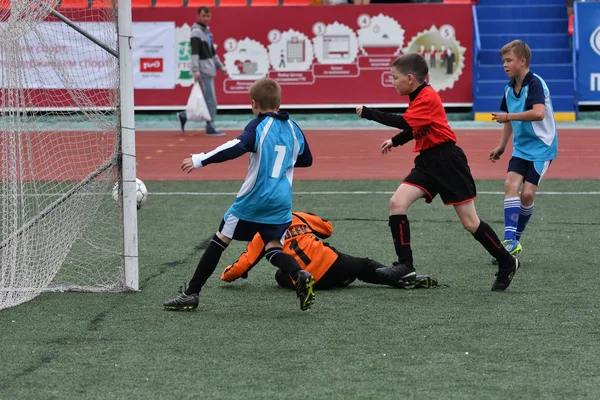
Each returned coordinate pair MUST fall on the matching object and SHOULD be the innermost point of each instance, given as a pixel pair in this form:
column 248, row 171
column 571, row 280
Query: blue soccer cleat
column 512, row 246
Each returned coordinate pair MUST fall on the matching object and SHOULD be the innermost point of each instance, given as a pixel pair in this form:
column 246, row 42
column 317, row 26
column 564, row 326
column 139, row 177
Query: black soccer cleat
column 182, row 120
column 505, row 276
column 397, row 275
column 183, row 302
column 304, row 290
column 420, row 282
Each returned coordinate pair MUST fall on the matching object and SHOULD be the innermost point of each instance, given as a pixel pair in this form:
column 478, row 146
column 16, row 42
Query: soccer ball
column 141, row 193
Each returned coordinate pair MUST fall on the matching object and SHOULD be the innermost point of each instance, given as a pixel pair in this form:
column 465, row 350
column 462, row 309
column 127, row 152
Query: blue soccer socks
column 512, row 208
column 524, row 217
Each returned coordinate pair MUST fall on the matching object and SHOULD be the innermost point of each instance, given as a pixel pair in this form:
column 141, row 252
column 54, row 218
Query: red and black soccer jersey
column 425, row 120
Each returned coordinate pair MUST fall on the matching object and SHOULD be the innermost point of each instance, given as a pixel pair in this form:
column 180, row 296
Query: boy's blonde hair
column 520, row 49
column 267, row 93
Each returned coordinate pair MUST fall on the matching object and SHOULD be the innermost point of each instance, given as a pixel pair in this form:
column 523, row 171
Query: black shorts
column 443, row 170
column 345, row 270
column 531, row 171
column 341, row 273
column 239, row 229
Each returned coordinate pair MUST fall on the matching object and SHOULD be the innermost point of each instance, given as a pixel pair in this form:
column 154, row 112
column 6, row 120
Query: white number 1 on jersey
column 280, row 150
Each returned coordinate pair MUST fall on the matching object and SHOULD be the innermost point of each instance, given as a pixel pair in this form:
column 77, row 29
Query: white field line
column 335, row 193
column 341, row 127
column 315, row 193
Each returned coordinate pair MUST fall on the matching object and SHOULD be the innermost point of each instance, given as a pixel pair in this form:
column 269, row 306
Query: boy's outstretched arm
column 385, row 118
column 227, row 151
column 255, row 250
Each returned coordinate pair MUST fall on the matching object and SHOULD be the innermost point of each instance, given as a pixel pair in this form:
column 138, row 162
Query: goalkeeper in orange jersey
column 329, row 267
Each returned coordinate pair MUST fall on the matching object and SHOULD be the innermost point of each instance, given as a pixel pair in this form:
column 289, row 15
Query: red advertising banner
column 323, row 56
column 330, row 56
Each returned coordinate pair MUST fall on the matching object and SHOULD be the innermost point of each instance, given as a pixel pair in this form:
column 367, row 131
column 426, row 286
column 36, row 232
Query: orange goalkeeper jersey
column 301, row 241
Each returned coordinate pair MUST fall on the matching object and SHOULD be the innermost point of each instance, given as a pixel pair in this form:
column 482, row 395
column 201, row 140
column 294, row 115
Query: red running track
column 354, row 154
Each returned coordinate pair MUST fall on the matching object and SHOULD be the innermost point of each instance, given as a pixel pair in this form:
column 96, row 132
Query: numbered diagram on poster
column 380, row 35
column 245, row 59
column 443, row 53
column 335, row 43
column 290, row 51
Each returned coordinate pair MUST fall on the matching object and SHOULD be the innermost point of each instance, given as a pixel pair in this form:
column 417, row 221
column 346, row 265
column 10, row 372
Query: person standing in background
column 570, row 17
column 205, row 63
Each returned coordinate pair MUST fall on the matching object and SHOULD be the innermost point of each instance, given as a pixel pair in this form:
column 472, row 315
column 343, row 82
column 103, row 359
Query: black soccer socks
column 207, row 265
column 488, row 239
column 400, row 228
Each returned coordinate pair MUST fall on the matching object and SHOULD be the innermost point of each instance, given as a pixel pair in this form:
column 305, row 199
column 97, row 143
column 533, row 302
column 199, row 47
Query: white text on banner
column 57, row 57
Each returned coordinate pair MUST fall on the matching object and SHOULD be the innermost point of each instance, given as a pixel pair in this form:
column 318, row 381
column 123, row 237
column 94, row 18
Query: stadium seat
column 74, row 4
column 102, row 3
column 296, row 2
column 168, row 3
column 134, row 3
column 141, row 3
column 199, row 3
column 233, row 3
column 264, row 3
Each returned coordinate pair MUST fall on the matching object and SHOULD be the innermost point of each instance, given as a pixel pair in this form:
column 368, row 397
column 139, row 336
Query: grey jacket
column 204, row 57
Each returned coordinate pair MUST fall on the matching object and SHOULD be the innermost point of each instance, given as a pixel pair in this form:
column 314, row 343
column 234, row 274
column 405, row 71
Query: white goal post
column 130, row 234
column 61, row 229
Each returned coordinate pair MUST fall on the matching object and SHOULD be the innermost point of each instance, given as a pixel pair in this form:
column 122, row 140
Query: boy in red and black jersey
column 440, row 168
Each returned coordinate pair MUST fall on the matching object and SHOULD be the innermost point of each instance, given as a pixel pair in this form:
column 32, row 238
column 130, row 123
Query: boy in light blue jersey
column 264, row 203
column 527, row 113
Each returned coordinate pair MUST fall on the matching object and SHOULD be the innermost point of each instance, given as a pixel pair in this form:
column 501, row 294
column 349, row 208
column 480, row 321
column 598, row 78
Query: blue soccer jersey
column 276, row 145
column 532, row 140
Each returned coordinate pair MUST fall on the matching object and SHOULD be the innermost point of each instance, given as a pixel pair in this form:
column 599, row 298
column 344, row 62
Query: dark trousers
column 345, row 270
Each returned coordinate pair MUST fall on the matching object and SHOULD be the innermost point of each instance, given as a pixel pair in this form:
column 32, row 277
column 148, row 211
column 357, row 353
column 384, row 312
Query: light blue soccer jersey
column 276, row 144
column 532, row 140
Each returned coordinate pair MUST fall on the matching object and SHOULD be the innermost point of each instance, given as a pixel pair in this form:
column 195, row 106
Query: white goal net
column 60, row 150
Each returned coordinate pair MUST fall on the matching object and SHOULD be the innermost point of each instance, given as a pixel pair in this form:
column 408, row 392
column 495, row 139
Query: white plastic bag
column 196, row 109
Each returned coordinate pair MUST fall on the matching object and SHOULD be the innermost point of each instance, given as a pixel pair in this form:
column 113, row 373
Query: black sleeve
column 305, row 159
column 234, row 148
column 535, row 95
column 313, row 230
column 403, row 137
column 225, row 152
column 385, row 118
column 503, row 106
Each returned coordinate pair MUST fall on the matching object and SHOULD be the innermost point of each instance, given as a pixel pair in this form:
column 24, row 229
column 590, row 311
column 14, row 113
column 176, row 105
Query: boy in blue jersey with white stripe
column 264, row 203
column 527, row 113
